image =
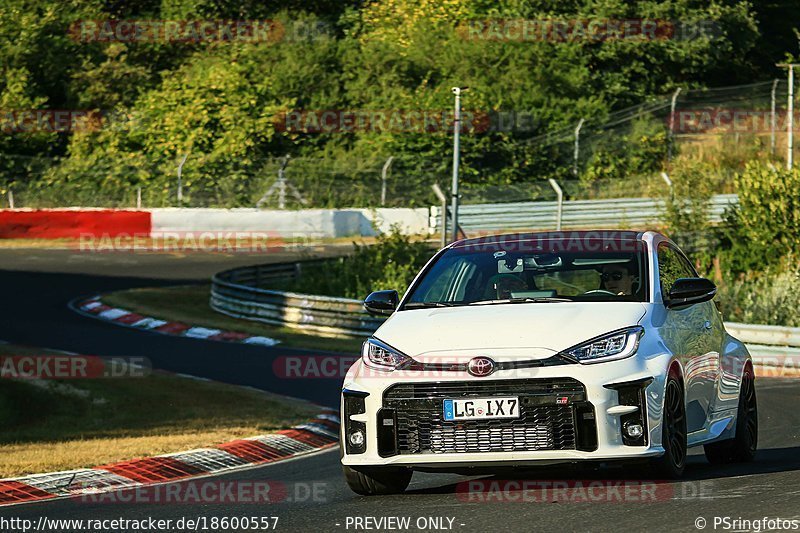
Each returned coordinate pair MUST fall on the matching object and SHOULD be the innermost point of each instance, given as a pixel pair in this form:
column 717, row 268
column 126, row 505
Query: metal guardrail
column 612, row 213
column 244, row 293
column 764, row 335
column 776, row 347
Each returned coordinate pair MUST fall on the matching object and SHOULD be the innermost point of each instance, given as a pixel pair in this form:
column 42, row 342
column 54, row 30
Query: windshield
column 463, row 276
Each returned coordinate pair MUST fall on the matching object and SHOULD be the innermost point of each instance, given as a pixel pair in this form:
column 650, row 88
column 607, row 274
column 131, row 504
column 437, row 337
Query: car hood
column 504, row 331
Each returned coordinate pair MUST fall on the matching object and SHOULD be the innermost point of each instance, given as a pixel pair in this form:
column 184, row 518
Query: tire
column 377, row 480
column 672, row 464
column 742, row 447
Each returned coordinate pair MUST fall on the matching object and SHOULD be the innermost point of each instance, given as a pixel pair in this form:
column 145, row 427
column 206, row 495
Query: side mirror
column 381, row 302
column 688, row 291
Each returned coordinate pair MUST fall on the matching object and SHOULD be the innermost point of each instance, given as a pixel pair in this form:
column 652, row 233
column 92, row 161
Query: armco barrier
column 611, row 213
column 766, row 335
column 776, row 347
column 334, row 223
column 244, row 293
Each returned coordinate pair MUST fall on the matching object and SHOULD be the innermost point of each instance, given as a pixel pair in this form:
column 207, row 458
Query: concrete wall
column 71, row 223
column 314, row 223
column 412, row 221
column 306, row 222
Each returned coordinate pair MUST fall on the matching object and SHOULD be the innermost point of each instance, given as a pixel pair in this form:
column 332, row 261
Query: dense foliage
column 390, row 263
column 221, row 102
column 753, row 254
column 764, row 227
column 771, row 297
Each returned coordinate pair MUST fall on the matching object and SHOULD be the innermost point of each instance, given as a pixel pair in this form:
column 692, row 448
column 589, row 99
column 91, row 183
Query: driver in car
column 618, row 279
column 502, row 285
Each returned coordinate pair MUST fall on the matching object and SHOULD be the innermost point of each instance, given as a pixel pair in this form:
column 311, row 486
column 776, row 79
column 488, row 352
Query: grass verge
column 189, row 304
column 65, row 424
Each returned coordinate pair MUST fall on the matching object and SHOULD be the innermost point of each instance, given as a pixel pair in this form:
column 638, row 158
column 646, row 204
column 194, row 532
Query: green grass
column 157, row 404
column 189, row 304
column 65, row 424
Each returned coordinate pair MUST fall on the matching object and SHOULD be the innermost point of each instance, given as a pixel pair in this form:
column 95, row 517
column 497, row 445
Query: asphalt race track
column 38, row 284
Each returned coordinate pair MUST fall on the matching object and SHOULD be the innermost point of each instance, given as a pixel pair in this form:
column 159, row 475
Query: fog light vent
column 357, row 439
column 355, row 432
column 634, row 431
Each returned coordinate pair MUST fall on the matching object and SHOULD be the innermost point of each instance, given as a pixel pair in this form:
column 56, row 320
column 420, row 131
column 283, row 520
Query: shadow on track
column 697, row 469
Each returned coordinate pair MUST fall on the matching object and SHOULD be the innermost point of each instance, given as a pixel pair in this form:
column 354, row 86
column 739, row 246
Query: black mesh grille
column 457, row 389
column 538, row 428
column 545, row 423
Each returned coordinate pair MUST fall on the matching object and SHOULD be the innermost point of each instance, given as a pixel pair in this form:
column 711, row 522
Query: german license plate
column 481, row 408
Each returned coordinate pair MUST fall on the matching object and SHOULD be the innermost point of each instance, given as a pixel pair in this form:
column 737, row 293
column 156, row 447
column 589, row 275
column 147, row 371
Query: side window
column 671, row 266
column 442, row 282
column 451, row 283
column 688, row 269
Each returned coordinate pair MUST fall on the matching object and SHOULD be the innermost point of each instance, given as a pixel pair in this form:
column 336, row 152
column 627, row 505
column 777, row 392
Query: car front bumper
column 607, row 390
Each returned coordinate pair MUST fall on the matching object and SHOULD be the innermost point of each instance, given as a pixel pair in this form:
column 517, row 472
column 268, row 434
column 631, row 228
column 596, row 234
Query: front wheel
column 377, row 480
column 673, row 434
column 742, row 447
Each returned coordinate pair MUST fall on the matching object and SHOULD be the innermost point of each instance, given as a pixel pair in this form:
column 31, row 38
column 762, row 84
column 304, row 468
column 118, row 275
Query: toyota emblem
column 480, row 366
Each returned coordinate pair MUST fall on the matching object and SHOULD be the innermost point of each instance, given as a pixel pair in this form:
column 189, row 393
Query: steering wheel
column 601, row 291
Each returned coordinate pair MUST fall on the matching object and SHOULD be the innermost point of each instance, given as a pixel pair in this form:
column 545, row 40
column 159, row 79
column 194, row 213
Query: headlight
column 609, row 347
column 381, row 356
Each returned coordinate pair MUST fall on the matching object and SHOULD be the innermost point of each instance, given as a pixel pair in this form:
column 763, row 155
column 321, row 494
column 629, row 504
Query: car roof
column 552, row 237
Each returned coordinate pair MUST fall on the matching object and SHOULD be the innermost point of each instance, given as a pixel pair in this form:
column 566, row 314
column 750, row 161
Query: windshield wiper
column 540, row 299
column 423, row 305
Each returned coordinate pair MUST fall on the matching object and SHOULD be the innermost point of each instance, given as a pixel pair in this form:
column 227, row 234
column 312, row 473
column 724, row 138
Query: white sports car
column 542, row 348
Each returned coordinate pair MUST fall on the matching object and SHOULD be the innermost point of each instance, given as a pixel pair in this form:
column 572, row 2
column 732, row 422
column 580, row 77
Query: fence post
column 560, row 195
column 282, row 183
column 138, row 197
column 456, row 148
column 671, row 142
column 668, row 181
column 577, row 148
column 280, row 186
column 10, row 199
column 772, row 118
column 180, row 179
column 790, row 121
column 383, row 179
column 443, row 202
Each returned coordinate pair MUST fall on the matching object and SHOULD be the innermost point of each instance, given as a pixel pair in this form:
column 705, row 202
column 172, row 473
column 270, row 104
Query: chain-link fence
column 307, row 182
column 623, row 154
